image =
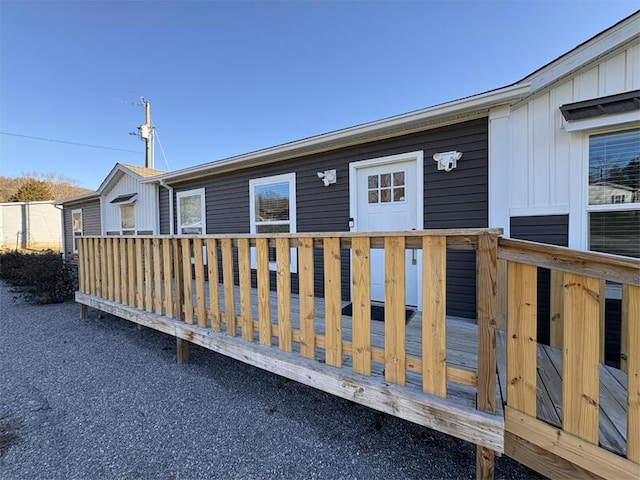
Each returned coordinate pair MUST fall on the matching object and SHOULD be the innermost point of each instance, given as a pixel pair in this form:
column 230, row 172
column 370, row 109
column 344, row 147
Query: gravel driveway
column 97, row 398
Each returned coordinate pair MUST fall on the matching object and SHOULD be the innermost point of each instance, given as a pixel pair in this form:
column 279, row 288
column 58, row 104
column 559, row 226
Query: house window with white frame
column 272, row 203
column 76, row 226
column 191, row 212
column 128, row 219
column 614, row 193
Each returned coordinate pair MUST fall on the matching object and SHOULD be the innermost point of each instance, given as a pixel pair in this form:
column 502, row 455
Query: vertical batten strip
column 394, row 305
column 148, row 276
column 305, row 288
column 109, row 242
column 434, row 321
column 264, row 309
column 92, row 266
column 521, row 338
column 214, row 296
column 631, row 319
column 580, row 389
column 361, row 304
column 283, row 290
column 187, row 280
column 168, row 274
column 157, row 275
column 332, row 296
column 198, row 265
column 178, row 279
column 116, row 269
column 244, row 279
column 227, row 280
column 139, row 274
column 123, row 272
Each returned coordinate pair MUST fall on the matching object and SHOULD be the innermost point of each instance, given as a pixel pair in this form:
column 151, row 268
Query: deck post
column 487, row 303
column 182, row 351
column 84, row 311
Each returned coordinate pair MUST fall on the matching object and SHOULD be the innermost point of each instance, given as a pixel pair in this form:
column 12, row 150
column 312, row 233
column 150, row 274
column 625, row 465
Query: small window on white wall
column 128, row 219
column 272, row 203
column 76, row 224
column 191, row 212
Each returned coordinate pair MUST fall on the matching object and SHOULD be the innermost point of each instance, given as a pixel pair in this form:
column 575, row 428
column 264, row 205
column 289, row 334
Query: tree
column 32, row 191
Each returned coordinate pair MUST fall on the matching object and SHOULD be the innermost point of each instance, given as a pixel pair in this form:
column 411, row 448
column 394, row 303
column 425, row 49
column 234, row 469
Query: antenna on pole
column 146, row 133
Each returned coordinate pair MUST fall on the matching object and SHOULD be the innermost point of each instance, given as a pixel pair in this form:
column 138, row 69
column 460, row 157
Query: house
column 30, row 225
column 552, row 158
column 525, row 157
column 122, row 205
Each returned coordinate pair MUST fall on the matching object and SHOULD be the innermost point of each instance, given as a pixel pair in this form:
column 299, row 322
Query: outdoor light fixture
column 447, row 161
column 328, row 177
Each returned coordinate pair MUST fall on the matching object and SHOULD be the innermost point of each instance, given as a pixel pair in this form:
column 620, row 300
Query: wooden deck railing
column 149, row 273
column 154, row 274
column 582, row 276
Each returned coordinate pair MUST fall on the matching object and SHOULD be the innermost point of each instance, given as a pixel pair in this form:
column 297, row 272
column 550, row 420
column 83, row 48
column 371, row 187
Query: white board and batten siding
column 542, row 169
column 145, row 206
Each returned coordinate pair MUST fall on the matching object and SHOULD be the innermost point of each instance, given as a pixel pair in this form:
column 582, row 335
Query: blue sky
column 225, row 78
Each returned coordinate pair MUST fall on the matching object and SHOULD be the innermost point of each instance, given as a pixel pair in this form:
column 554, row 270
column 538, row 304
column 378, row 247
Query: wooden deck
column 560, row 412
column 612, row 427
column 462, row 353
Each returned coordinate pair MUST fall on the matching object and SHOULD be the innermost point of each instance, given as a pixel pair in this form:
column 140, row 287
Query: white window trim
column 191, row 193
column 73, row 231
column 286, row 177
column 585, row 208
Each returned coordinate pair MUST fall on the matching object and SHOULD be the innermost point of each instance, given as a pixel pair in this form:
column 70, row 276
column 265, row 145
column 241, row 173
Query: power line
column 162, row 150
column 68, row 143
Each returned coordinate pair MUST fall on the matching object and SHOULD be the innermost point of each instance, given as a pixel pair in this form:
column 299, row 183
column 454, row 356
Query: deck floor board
column 612, row 419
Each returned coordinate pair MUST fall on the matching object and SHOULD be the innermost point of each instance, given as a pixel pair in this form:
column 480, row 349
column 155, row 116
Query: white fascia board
column 389, row 127
column 585, row 53
column 78, row 198
column 118, row 168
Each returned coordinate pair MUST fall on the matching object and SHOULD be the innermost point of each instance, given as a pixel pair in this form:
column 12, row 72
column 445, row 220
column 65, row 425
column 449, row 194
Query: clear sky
column 226, row 78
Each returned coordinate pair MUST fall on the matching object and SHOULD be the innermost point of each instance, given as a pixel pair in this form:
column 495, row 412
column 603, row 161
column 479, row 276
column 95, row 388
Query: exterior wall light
column 447, row 161
column 328, row 177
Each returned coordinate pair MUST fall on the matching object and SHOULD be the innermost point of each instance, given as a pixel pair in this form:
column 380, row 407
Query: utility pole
column 146, row 133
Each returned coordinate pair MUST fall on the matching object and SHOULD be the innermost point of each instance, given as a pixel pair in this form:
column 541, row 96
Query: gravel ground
column 97, row 398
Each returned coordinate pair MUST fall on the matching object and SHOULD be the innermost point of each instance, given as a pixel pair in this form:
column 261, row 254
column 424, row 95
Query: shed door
column 387, row 201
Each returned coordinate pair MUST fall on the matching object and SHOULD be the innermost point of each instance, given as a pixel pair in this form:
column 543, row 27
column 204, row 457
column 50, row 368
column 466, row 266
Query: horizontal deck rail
column 176, row 277
column 581, row 278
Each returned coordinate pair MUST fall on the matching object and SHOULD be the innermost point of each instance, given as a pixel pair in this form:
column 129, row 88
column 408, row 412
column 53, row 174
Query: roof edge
column 357, row 134
column 78, row 198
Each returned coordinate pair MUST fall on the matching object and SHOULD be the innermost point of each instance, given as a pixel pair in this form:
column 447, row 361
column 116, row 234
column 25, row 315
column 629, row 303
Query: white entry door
column 386, row 199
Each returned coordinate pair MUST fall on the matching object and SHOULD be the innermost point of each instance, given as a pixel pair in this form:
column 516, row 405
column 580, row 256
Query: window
column 386, row 188
column 191, row 212
column 614, row 193
column 128, row 219
column 76, row 225
column 273, row 210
